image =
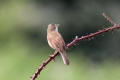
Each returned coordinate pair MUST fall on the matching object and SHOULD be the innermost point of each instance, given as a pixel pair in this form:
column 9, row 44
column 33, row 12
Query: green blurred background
column 23, row 44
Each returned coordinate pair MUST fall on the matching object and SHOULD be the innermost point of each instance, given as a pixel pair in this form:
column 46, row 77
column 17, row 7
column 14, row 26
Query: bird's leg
column 52, row 56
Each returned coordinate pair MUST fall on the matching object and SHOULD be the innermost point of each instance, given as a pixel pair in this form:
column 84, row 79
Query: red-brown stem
column 76, row 40
column 92, row 35
column 109, row 19
column 43, row 65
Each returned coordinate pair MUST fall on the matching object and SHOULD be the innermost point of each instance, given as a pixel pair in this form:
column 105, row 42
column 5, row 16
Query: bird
column 56, row 41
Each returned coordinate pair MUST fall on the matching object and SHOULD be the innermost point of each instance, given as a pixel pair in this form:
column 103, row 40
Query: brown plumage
column 56, row 41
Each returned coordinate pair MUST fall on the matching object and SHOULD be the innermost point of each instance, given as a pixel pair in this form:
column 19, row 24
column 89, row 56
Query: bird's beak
column 57, row 25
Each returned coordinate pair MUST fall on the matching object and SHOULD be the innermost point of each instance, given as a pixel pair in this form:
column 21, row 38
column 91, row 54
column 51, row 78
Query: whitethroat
column 56, row 41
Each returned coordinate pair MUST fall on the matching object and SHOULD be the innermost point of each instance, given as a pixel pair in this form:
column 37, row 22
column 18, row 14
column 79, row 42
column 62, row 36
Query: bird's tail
column 64, row 57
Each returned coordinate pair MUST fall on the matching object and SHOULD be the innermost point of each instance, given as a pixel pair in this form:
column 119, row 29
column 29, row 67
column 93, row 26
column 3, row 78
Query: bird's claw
column 52, row 56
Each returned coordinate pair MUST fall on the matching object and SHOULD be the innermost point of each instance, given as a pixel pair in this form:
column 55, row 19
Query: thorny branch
column 76, row 40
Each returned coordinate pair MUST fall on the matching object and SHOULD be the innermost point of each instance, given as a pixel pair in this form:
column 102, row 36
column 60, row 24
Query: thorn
column 82, row 36
column 118, row 25
column 43, row 66
column 43, row 63
column 76, row 37
column 115, row 25
column 91, row 33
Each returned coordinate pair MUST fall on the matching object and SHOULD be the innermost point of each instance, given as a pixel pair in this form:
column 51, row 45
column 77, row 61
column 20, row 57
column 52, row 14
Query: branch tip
column 108, row 18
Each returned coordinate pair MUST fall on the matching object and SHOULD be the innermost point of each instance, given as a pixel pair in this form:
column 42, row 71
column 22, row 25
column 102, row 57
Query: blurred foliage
column 23, row 44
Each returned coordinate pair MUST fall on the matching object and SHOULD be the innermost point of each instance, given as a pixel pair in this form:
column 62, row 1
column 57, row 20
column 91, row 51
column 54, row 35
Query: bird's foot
column 52, row 56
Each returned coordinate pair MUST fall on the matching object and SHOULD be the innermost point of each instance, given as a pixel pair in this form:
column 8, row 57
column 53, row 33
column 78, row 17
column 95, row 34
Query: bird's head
column 53, row 27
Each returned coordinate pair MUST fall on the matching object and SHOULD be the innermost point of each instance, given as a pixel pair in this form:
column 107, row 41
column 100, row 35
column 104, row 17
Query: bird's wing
column 58, row 40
